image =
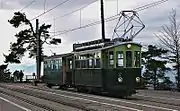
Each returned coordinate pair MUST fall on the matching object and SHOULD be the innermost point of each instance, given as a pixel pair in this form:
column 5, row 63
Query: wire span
column 27, row 5
column 141, row 8
column 51, row 9
column 74, row 11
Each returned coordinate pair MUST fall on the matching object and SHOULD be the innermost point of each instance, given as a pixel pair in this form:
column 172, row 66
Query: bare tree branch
column 169, row 37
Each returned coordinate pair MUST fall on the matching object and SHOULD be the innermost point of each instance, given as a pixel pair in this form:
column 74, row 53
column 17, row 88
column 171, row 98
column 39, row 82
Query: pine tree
column 154, row 63
column 27, row 39
column 4, row 73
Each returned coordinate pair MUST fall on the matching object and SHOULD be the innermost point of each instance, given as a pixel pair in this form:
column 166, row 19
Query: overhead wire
column 50, row 9
column 69, row 13
column 30, row 3
column 111, row 18
column 150, row 4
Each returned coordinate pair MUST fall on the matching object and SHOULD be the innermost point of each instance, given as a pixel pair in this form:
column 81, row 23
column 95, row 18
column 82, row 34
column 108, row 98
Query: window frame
column 79, row 62
column 131, row 59
column 57, row 64
column 111, row 59
column 135, row 59
column 119, row 58
column 92, row 63
column 52, row 64
column 70, row 64
column 88, row 60
column 45, row 65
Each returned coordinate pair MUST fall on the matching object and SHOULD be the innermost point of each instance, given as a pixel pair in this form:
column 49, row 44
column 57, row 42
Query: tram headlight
column 137, row 79
column 129, row 46
column 120, row 79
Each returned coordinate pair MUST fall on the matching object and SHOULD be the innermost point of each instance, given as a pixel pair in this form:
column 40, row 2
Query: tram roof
column 57, row 56
column 107, row 47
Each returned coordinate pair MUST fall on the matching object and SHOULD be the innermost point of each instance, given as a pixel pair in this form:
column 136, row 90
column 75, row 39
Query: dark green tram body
column 53, row 72
column 124, row 64
column 100, row 69
column 126, row 87
column 56, row 71
column 115, row 69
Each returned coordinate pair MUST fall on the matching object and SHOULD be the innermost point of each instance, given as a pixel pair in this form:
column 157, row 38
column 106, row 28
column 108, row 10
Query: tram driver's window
column 137, row 59
column 111, row 58
column 120, row 59
column 128, row 59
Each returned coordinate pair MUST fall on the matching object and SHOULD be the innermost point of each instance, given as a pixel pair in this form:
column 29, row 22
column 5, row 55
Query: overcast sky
column 153, row 18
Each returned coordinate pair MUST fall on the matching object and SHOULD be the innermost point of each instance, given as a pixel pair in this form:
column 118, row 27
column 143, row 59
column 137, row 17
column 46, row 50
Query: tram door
column 69, row 69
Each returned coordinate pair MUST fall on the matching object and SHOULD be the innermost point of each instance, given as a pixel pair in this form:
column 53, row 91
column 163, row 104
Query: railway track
column 44, row 107
column 155, row 100
column 163, row 100
column 70, row 101
column 131, row 104
column 22, row 95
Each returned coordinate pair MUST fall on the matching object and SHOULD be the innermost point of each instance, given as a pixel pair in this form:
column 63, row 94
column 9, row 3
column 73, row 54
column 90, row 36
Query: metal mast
column 38, row 54
column 102, row 20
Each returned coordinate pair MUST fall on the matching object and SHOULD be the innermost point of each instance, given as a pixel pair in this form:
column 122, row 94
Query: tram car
column 97, row 66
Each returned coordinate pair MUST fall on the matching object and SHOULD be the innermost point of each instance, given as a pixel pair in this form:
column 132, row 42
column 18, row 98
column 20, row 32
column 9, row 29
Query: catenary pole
column 38, row 61
column 102, row 19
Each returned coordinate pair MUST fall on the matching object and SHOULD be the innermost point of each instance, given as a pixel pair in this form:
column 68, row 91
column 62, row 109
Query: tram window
column 57, row 64
column 120, row 59
column 77, row 63
column 45, row 64
column 97, row 63
column 70, row 64
column 60, row 62
column 90, row 63
column 82, row 57
column 128, row 59
column 77, row 57
column 52, row 64
column 137, row 59
column 49, row 64
column 83, row 63
column 111, row 58
column 87, row 56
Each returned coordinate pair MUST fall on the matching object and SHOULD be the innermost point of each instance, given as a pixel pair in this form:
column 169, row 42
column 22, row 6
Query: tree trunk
column 155, row 80
column 178, row 72
column 21, row 80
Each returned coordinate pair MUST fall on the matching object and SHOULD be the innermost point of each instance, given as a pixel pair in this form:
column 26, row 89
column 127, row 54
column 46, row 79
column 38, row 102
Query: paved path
column 6, row 105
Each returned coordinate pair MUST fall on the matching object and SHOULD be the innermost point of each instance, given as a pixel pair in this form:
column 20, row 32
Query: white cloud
column 7, row 32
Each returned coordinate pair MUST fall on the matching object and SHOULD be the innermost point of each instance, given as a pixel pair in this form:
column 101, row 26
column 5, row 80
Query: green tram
column 106, row 67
